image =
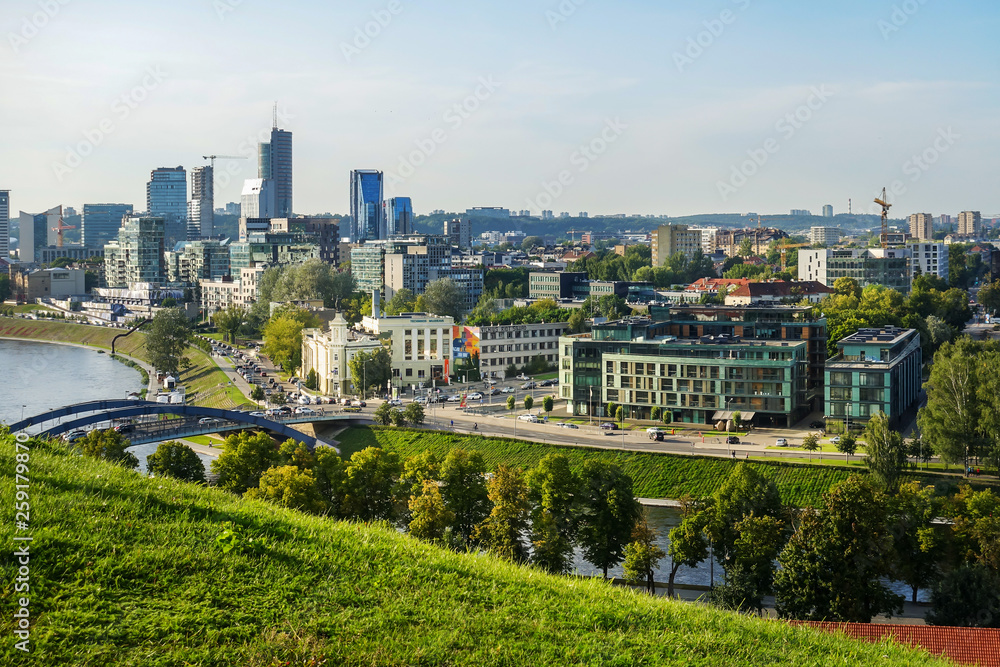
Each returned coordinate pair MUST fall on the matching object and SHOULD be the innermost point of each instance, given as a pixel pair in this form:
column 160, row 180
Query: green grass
column 654, row 475
column 129, row 571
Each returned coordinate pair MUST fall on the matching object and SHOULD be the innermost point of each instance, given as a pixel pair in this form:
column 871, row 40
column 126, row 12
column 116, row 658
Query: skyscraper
column 257, row 198
column 37, row 232
column 828, row 210
column 922, row 226
column 399, row 216
column 166, row 196
column 281, row 171
column 101, row 223
column 367, row 215
column 970, row 223
column 4, row 225
column 201, row 208
column 459, row 232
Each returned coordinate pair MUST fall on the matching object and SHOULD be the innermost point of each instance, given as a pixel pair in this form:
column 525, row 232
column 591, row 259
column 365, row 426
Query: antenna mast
column 274, row 122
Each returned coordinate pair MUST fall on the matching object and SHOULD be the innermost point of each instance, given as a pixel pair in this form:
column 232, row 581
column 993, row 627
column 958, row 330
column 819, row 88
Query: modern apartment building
column 410, row 261
column 928, row 259
column 195, row 261
column 201, row 207
column 875, row 370
column 459, row 231
column 239, row 288
column 325, row 232
column 272, row 249
column 257, row 200
column 101, row 223
column 368, row 267
column 670, row 239
column 399, row 216
column 921, row 226
column 828, row 236
column 828, row 210
column 136, row 256
column 4, row 225
column 367, row 211
column 869, row 266
column 166, row 197
column 970, row 223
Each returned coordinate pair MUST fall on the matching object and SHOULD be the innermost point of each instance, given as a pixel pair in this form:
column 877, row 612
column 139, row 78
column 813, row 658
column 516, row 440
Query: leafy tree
column 371, row 370
column 245, row 456
column 689, row 540
column 502, row 531
column 340, row 288
column 383, row 415
column 331, row 476
column 397, row 417
column 5, row 289
column 810, row 443
column 414, row 414
column 745, row 248
column 989, row 296
column 832, row 567
column 510, row 402
column 966, row 597
column 403, row 301
column 750, row 573
column 609, row 512
column 620, row 415
column 737, row 418
column 847, row 445
column 109, row 445
column 528, row 402
column 283, row 337
column 530, row 242
column 292, row 452
column 229, row 320
column 370, row 484
column 289, row 486
column 919, row 549
column 312, row 379
column 167, row 339
column 552, row 490
column 845, row 286
column 175, row 459
column 463, row 478
column 577, row 321
column 976, row 516
column 886, row 453
column 430, row 517
column 547, row 403
column 257, row 393
column 642, row 555
column 656, row 413
column 445, row 297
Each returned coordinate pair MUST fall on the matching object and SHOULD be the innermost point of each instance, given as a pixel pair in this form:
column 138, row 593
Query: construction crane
column 58, row 229
column 785, row 247
column 223, row 157
column 881, row 201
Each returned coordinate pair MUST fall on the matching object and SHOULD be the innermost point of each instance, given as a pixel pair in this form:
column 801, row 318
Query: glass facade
column 399, row 216
column 166, row 197
column 367, row 220
column 101, row 223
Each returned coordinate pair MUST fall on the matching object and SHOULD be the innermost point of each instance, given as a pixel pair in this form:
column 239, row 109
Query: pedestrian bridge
column 173, row 420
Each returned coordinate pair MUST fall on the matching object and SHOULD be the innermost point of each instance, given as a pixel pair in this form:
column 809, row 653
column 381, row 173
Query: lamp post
column 729, row 419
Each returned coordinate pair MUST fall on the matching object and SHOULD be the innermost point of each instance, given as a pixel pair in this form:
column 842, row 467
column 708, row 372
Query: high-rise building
column 670, row 239
column 459, row 231
column 281, row 171
column 890, row 267
column 827, row 236
column 828, row 210
column 4, row 225
column 195, row 261
column 36, row 232
column 367, row 221
column 257, row 198
column 399, row 216
column 201, row 209
column 325, row 232
column 136, row 256
column 944, row 220
column 970, row 223
column 922, row 226
column 101, row 223
column 929, row 259
column 166, row 196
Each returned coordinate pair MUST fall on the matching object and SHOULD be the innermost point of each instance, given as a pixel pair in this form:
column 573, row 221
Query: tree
column 552, row 490
column 737, row 418
column 403, row 301
column 397, row 417
column 845, row 286
column 950, row 421
column 917, row 544
column 369, row 485
column 577, row 321
column 289, row 486
column 609, row 513
column 463, row 479
column 642, row 555
column 244, row 458
column 414, row 414
column 832, row 567
column 750, row 572
column 167, row 339
column 989, row 296
column 371, row 370
column 847, row 445
column 331, row 476
column 229, row 320
column 688, row 541
column 341, row 287
column 445, row 297
column 501, row 533
column 745, row 248
column 383, row 415
column 510, row 402
column 5, row 290
column 966, row 597
column 620, row 415
column 430, row 517
column 528, row 402
column 530, row 242
column 810, row 443
column 656, row 413
column 547, row 403
column 312, row 379
column 257, row 393
column 109, row 445
column 283, row 337
column 886, row 453
column 294, row 453
column 175, row 459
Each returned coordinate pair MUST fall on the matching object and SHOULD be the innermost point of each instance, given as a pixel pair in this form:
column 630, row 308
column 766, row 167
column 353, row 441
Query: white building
column 420, row 345
column 224, row 292
column 328, row 353
column 504, row 345
column 929, row 258
column 5, row 225
column 257, row 198
column 828, row 236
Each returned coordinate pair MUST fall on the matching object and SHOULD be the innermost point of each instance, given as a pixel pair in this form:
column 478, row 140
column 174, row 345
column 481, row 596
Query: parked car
column 528, row 385
column 304, row 411
column 394, row 402
column 528, row 418
column 204, row 421
column 475, row 396
column 73, row 436
column 568, row 425
column 522, row 376
column 420, row 400
column 352, row 408
column 454, row 398
column 835, row 440
column 608, row 426
column 303, row 400
column 732, row 440
column 656, row 435
column 358, row 404
column 781, row 442
column 507, row 390
column 258, row 413
column 125, row 428
column 493, row 392
column 818, row 423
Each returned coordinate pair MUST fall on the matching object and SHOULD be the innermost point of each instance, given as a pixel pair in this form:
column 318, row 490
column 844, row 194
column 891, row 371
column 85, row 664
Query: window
column 840, row 379
column 409, row 372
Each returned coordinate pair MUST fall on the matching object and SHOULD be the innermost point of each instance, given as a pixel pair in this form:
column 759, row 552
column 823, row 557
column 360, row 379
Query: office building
column 136, row 256
column 828, row 210
column 5, row 225
column 324, row 232
column 101, row 223
column 329, row 352
column 74, row 252
column 929, row 259
column 166, row 197
column 490, row 212
column 201, row 208
column 368, row 267
column 420, row 345
column 410, row 261
column 367, row 211
column 970, row 223
column 47, row 283
column 257, row 199
column 921, row 226
column 399, row 216
column 800, row 211
column 459, row 232
column 828, row 236
column 670, row 239
column 503, row 345
column 874, row 370
column 37, row 231
column 249, row 226
column 275, row 164
column 468, row 279
column 869, row 266
column 193, row 261
column 554, row 284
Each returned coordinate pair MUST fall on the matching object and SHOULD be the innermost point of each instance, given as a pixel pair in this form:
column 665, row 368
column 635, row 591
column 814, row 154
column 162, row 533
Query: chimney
column 376, row 296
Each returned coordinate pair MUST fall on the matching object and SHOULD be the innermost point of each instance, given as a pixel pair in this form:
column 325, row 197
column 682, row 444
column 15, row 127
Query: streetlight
column 22, row 412
column 729, row 418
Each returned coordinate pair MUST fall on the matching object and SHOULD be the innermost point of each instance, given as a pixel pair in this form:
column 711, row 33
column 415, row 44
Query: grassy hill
column 132, row 571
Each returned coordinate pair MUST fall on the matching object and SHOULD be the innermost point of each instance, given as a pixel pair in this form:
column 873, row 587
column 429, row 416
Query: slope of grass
column 133, row 571
column 654, row 475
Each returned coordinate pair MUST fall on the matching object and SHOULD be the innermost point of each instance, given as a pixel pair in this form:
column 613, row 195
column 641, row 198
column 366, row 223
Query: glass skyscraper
column 166, row 196
column 201, row 212
column 101, row 223
column 399, row 216
column 275, row 164
column 367, row 215
column 4, row 224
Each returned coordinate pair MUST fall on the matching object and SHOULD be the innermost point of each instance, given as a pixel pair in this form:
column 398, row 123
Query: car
column 352, row 408
column 303, row 400
column 125, row 428
column 394, row 402
column 420, row 400
column 73, row 436
column 204, row 421
column 358, row 404
column 258, row 413
column 284, row 410
column 835, row 440
column 304, row 411
column 508, row 390
column 454, row 398
column 528, row 385
column 781, row 442
column 263, row 374
column 608, row 426
column 522, row 376
column 493, row 392
column 656, row 435
column 732, row 440
column 568, row 425
column 654, row 429
column 817, row 424
column 475, row 396
column 528, row 418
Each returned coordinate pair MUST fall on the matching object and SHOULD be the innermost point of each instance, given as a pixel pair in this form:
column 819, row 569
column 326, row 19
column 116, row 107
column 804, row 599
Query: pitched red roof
column 782, row 289
column 966, row 646
column 713, row 284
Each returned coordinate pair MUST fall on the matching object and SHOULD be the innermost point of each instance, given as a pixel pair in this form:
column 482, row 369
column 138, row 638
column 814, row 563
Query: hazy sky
column 639, row 106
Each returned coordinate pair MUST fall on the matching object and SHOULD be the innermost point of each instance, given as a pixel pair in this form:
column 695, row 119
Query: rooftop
column 880, row 335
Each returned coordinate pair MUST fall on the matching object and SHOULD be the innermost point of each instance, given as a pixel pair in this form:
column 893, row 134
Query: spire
column 274, row 122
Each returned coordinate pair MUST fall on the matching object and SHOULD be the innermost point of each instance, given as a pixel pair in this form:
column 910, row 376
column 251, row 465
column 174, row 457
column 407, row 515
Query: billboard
column 464, row 342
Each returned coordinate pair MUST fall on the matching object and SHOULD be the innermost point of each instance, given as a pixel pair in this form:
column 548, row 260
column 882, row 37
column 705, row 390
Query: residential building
column 47, row 283
column 368, row 267
column 249, row 226
column 136, row 256
column 37, row 231
column 729, row 240
column 503, row 345
column 970, row 223
column 671, row 239
column 272, row 249
column 101, row 223
column 420, row 345
column 4, row 225
column 257, row 200
column 874, row 370
column 828, row 210
column 201, row 207
column 239, row 288
column 554, row 285
column 459, row 232
column 868, row 266
column 800, row 211
column 708, row 238
column 367, row 219
column 193, row 261
column 777, row 291
column 75, row 252
column 489, row 212
column 325, row 232
column 468, row 279
column 399, row 216
column 329, row 351
column 828, row 236
column 166, row 197
column 921, row 226
column 945, row 220
column 412, row 262
column 929, row 259
column 711, row 286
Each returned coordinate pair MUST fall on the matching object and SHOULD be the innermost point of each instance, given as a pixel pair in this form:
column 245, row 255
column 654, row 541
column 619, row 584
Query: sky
column 636, row 107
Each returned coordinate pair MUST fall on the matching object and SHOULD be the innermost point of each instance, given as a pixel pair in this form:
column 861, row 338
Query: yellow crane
column 881, row 201
column 223, row 157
